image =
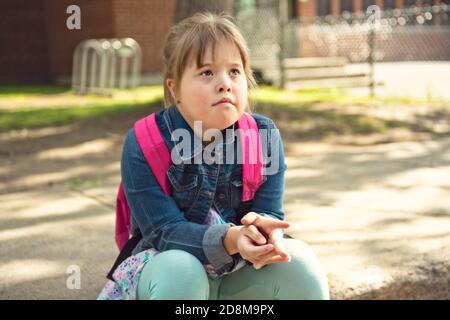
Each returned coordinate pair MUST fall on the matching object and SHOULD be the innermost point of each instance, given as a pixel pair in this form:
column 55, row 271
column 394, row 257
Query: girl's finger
column 280, row 224
column 259, row 263
column 255, row 261
column 273, row 257
column 282, row 252
column 272, row 224
column 266, row 225
column 256, row 251
column 257, row 266
column 249, row 218
column 277, row 259
column 261, row 221
column 279, row 248
column 253, row 233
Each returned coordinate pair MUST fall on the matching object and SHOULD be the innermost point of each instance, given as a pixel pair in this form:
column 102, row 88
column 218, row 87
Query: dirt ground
column 344, row 195
column 31, row 159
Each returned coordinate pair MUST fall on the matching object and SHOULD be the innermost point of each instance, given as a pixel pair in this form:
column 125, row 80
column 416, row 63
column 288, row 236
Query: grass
column 273, row 95
column 42, row 106
column 297, row 114
column 53, row 117
column 15, row 92
column 30, row 108
column 305, row 122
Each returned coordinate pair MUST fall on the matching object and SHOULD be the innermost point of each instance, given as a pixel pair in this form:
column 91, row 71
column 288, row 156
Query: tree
column 186, row 8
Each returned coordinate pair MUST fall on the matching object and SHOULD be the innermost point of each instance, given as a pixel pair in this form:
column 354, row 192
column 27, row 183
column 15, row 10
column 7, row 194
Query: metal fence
column 414, row 34
column 261, row 29
column 417, row 33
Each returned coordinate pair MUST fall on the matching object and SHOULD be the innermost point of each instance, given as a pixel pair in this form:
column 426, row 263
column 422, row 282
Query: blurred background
column 359, row 90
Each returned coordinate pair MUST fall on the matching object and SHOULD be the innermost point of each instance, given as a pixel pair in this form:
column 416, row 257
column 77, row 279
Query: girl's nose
column 224, row 85
column 225, row 89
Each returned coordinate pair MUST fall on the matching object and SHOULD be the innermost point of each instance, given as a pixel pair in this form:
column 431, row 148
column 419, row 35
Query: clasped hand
column 260, row 240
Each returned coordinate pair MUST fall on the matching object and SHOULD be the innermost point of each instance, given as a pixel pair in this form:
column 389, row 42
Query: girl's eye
column 206, row 72
column 235, row 70
column 209, row 72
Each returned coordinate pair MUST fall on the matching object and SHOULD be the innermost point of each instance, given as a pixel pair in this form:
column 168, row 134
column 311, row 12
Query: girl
column 203, row 241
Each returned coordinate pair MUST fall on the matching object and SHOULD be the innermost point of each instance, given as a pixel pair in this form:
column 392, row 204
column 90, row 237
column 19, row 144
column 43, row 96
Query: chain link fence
column 409, row 34
column 261, row 29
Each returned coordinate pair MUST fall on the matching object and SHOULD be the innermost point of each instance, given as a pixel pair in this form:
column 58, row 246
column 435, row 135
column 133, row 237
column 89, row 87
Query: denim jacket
column 176, row 222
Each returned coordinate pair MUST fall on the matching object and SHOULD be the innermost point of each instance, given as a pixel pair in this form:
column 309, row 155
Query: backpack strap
column 252, row 164
column 154, row 149
column 122, row 229
column 158, row 155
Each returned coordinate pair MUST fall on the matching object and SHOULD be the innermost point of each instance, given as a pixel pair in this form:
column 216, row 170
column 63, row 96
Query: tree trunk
column 186, row 8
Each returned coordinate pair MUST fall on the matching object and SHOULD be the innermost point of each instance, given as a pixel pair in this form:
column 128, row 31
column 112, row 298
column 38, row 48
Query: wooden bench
column 320, row 72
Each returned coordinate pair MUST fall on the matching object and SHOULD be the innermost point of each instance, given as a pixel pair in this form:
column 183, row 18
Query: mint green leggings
column 178, row 275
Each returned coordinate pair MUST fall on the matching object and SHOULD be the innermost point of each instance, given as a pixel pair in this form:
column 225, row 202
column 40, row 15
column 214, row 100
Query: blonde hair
column 191, row 38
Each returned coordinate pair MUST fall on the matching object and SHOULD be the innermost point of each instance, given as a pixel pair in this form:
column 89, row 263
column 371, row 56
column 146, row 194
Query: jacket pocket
column 184, row 187
column 236, row 190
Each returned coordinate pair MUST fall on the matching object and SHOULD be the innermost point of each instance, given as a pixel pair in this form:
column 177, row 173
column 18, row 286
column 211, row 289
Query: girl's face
column 202, row 89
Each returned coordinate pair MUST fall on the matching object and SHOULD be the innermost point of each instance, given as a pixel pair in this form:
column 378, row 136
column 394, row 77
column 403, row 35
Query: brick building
column 37, row 47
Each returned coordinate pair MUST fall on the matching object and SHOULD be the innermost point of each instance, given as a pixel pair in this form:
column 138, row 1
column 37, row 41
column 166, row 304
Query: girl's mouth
column 224, row 101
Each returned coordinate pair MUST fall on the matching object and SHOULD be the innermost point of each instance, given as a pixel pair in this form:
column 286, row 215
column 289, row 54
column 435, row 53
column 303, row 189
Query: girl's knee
column 182, row 266
column 179, row 261
column 174, row 275
column 305, row 272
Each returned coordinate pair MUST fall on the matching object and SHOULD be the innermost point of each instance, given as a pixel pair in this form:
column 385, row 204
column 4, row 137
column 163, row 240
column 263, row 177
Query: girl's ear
column 170, row 83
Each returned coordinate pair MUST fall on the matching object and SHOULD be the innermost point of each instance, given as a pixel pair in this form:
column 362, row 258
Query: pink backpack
column 157, row 155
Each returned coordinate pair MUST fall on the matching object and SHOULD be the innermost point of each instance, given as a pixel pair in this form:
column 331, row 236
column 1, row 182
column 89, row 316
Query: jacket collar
column 174, row 120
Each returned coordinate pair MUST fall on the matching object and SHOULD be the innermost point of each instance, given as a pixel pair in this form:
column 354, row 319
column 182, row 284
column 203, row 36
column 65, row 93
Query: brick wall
column 96, row 22
column 36, row 45
column 23, row 42
column 148, row 23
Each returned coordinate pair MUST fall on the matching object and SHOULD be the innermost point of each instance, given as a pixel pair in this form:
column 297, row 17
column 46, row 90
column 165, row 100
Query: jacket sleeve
column 162, row 224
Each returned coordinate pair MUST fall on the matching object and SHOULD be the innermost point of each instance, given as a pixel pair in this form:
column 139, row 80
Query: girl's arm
column 162, row 224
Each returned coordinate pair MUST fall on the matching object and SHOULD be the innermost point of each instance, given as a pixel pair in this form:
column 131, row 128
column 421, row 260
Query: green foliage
column 305, row 114
column 32, row 108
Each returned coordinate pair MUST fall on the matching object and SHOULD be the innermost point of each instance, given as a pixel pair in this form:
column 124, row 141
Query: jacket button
column 207, row 193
